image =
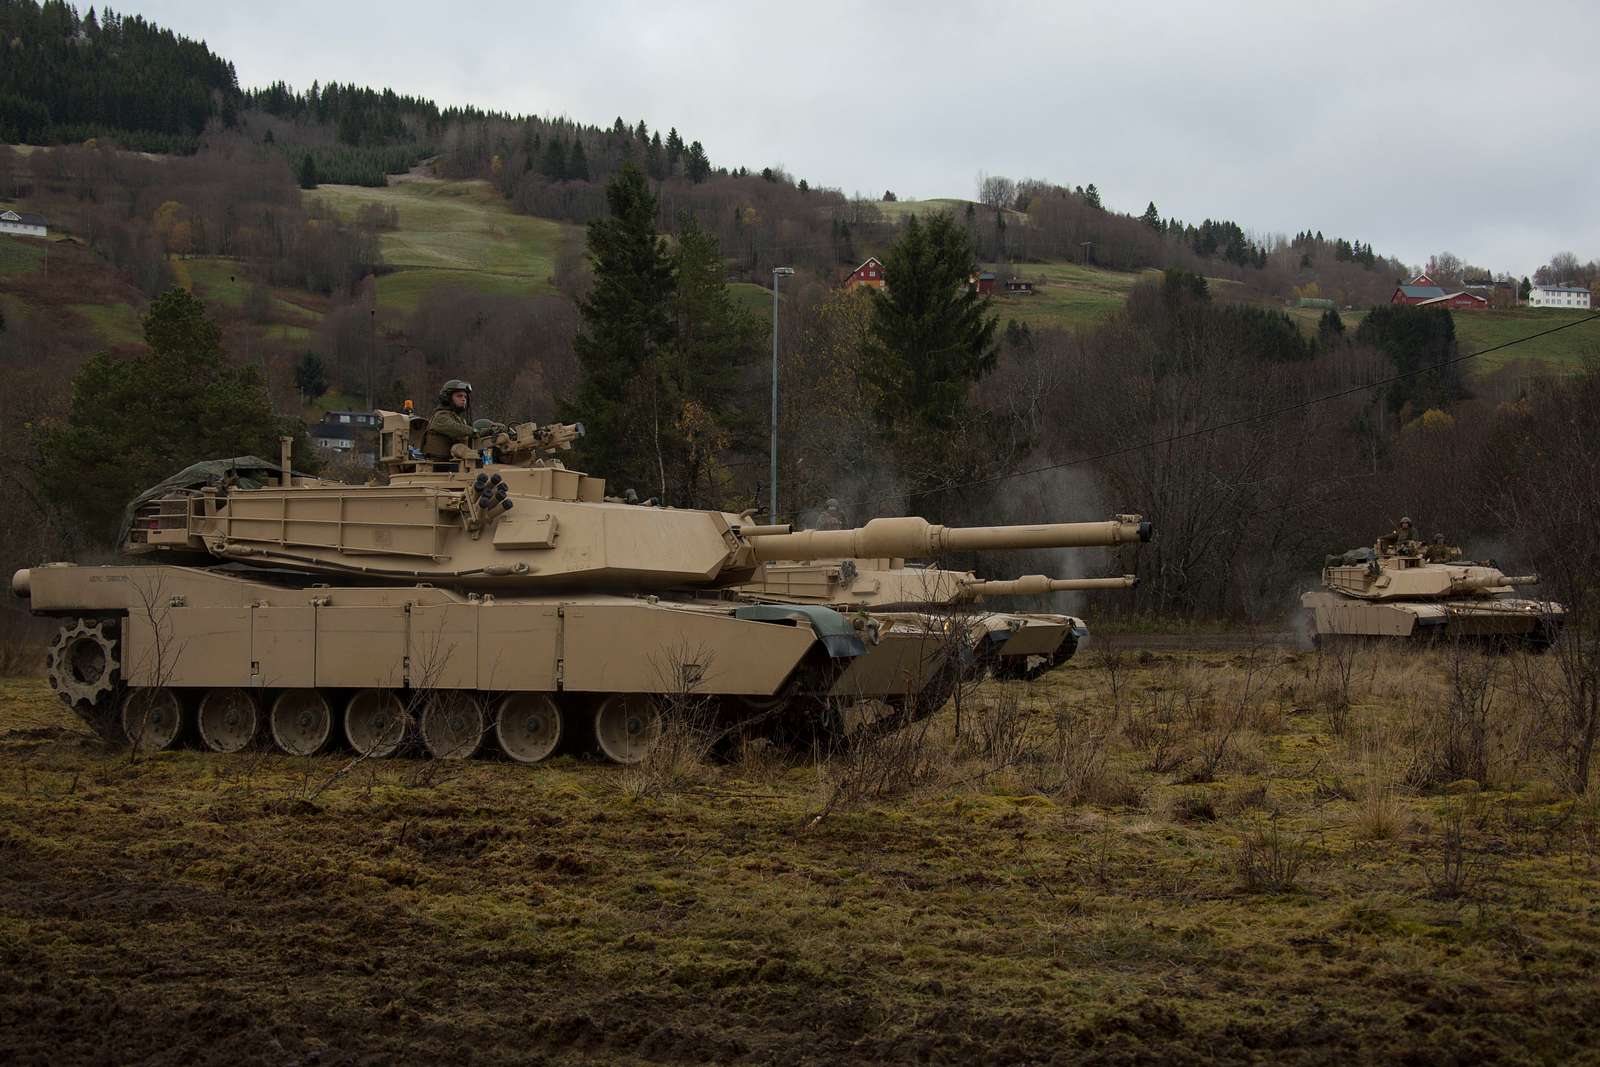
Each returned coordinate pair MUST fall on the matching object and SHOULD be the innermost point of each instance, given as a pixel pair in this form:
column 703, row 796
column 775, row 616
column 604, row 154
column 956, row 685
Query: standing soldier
column 449, row 424
column 1399, row 540
column 831, row 518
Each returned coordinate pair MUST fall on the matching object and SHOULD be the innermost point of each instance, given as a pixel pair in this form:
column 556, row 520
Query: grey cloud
column 1420, row 128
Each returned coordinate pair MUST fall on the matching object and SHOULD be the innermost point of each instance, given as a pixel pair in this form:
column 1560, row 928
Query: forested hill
column 71, row 78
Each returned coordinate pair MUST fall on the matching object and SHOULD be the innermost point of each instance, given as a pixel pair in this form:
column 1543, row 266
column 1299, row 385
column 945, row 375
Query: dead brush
column 1153, row 731
column 876, row 765
column 1453, row 870
column 1452, row 737
column 999, row 734
column 1270, row 860
column 680, row 756
column 1072, row 765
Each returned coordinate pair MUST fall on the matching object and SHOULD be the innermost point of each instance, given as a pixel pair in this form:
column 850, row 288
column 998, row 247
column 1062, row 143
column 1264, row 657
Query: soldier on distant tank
column 449, row 424
column 832, row 518
column 1400, row 539
column 1439, row 552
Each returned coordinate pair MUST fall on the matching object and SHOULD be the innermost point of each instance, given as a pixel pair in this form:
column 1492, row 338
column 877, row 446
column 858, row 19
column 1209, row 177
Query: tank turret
column 500, row 517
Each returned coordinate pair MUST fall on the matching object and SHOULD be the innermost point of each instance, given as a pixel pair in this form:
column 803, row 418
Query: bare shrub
column 1452, row 870
column 681, row 752
column 878, row 764
column 1271, row 861
column 1452, row 739
column 1071, row 765
column 1000, row 728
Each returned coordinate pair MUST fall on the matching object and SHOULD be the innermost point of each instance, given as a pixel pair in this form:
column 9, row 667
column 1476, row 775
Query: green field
column 20, row 255
column 1564, row 352
column 115, row 323
column 454, row 233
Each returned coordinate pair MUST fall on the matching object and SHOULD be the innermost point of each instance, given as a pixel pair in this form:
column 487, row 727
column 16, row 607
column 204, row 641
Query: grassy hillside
column 1563, row 352
column 1068, row 883
column 454, row 233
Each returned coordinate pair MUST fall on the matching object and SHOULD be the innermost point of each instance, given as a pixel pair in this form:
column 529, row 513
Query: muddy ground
column 1080, row 895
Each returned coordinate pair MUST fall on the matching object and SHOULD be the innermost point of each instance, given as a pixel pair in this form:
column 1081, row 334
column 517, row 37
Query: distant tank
column 1010, row 644
column 496, row 600
column 1396, row 590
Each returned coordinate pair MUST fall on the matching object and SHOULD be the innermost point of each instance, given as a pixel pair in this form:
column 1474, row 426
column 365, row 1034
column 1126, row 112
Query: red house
column 981, row 281
column 869, row 273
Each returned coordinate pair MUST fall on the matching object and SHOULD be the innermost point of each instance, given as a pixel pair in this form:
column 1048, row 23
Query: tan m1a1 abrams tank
column 1398, row 592
column 1009, row 644
column 496, row 597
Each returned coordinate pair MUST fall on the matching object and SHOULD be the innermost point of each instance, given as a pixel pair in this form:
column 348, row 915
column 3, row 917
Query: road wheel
column 152, row 719
column 375, row 723
column 301, row 722
column 625, row 726
column 452, row 725
column 527, row 726
column 229, row 719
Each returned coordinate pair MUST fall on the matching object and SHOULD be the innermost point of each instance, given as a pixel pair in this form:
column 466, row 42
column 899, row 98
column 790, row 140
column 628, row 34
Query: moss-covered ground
column 1188, row 857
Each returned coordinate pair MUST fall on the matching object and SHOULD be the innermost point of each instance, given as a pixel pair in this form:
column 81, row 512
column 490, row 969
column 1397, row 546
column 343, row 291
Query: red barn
column 869, row 273
column 1462, row 301
column 1412, row 293
column 981, row 281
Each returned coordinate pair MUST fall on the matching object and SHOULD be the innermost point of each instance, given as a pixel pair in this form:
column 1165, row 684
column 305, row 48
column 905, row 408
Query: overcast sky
column 1421, row 127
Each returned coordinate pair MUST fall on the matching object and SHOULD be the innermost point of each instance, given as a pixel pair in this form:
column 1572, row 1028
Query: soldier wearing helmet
column 832, row 518
column 450, row 423
column 1401, row 540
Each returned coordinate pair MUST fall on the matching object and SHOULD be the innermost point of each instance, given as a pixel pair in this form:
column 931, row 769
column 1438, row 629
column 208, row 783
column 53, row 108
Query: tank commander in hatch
column 450, row 423
column 832, row 518
column 1400, row 539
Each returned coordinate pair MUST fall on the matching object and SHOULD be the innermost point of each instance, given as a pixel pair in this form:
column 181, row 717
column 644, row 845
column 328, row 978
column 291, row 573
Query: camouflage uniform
column 447, row 426
column 1439, row 552
column 1398, row 540
column 831, row 518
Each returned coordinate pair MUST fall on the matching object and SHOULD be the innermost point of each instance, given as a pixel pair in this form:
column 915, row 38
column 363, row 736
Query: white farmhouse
column 1558, row 296
column 22, row 223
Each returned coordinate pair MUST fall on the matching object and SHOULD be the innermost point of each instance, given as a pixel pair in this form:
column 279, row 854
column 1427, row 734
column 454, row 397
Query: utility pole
column 772, row 507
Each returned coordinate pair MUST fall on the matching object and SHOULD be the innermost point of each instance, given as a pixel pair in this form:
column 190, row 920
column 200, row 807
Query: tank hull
column 1533, row 623
column 193, row 632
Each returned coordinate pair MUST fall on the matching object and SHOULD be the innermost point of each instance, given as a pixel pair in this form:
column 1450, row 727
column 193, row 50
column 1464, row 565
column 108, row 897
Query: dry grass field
column 1182, row 857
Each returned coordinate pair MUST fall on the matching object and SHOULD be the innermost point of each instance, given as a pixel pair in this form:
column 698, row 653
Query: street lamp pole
column 772, row 507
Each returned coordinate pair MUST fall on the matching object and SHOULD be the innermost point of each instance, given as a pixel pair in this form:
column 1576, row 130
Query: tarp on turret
column 244, row 472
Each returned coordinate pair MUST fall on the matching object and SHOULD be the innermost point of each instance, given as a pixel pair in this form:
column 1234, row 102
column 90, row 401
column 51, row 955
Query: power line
column 1242, row 420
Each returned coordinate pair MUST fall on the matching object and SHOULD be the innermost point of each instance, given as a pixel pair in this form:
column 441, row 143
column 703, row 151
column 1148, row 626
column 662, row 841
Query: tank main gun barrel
column 1480, row 579
column 1038, row 584
column 915, row 538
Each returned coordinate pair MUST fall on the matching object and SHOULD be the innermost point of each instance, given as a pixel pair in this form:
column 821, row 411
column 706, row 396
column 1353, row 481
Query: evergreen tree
column 578, row 165
column 697, row 167
column 675, row 150
column 932, row 335
column 625, row 323
column 1330, row 328
column 1525, row 290
column 655, row 159
column 135, row 420
column 1421, row 343
column 554, row 166
column 714, row 340
column 1092, row 195
column 310, row 376
column 1151, row 217
column 308, row 172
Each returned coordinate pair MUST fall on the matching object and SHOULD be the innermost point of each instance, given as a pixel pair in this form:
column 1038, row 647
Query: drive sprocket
column 84, row 667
